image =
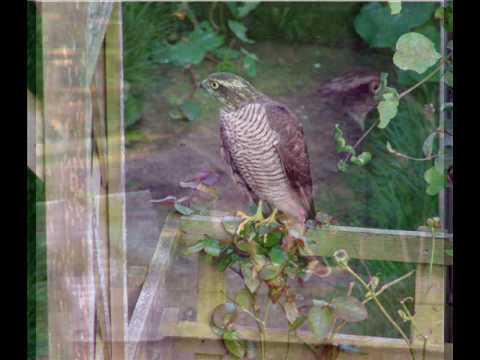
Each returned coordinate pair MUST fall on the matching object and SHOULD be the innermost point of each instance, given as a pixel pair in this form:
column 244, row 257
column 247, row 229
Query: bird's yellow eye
column 214, row 85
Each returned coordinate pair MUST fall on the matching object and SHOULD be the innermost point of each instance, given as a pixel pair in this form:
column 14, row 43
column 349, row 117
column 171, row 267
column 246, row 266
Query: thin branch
column 404, row 156
column 359, row 141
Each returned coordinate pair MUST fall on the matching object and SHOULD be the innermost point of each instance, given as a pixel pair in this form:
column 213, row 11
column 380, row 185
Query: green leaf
column 379, row 28
column 230, row 226
column 291, row 311
column 320, row 320
column 270, row 272
column 226, row 53
column 297, row 323
column 250, row 277
column 183, row 209
column 449, row 252
column 243, row 9
column 212, row 247
column 191, row 110
column 428, row 144
column 387, row 109
column 273, row 239
column 194, row 248
column 250, row 65
column 239, row 30
column 435, row 180
column 349, row 309
column 278, row 256
column 342, row 166
column 244, row 299
column 415, row 52
column 196, row 45
column 395, row 6
column 361, row 159
column 233, row 343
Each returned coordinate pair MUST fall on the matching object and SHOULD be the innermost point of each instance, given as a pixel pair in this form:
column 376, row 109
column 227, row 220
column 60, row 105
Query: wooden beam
column 201, row 331
column 143, row 317
column 116, row 183
column 68, row 186
column 360, row 243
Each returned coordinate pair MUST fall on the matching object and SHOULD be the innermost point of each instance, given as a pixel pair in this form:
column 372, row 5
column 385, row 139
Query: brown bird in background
column 262, row 142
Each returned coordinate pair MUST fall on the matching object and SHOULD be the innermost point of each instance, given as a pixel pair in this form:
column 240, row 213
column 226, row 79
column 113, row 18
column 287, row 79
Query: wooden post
column 71, row 289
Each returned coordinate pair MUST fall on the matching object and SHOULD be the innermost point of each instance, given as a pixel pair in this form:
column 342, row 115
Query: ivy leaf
column 379, row 28
column 395, row 6
column 349, row 309
column 435, row 180
column 387, row 109
column 291, row 311
column 320, row 319
column 191, row 110
column 415, row 52
column 240, row 31
column 278, row 256
column 212, row 247
column 226, row 53
column 233, row 344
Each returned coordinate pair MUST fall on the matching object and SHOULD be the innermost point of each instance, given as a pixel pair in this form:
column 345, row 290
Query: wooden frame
column 197, row 336
column 83, row 156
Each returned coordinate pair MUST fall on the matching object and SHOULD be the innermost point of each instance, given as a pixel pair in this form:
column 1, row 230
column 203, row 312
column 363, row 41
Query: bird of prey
column 263, row 143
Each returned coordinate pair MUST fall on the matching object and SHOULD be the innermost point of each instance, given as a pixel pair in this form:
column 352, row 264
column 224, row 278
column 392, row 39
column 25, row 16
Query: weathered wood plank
column 202, row 331
column 69, row 187
column 116, row 182
column 152, row 288
column 211, row 289
column 360, row 243
column 429, row 304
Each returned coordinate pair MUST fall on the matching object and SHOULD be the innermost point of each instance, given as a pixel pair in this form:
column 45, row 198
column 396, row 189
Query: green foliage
column 395, row 6
column 415, row 52
column 391, row 193
column 37, row 336
column 304, row 22
column 343, row 147
column 379, row 28
column 145, row 27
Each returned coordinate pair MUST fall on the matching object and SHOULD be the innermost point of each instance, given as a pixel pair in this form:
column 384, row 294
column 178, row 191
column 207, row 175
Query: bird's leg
column 247, row 219
column 272, row 218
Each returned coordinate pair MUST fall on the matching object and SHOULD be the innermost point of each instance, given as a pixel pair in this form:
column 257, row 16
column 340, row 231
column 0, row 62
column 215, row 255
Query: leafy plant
column 415, row 52
column 267, row 253
column 145, row 26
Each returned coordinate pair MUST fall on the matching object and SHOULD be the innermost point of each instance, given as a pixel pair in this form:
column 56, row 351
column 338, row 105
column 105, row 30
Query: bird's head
column 230, row 89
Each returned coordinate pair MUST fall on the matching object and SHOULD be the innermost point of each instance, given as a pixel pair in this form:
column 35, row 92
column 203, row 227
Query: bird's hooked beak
column 203, row 84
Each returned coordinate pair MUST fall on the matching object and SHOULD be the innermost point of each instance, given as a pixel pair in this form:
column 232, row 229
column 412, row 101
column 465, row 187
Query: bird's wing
column 227, row 157
column 293, row 153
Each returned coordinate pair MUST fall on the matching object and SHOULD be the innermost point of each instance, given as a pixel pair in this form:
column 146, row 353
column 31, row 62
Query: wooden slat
column 429, row 304
column 68, row 183
column 202, row 331
column 152, row 290
column 360, row 243
column 211, row 289
column 116, row 183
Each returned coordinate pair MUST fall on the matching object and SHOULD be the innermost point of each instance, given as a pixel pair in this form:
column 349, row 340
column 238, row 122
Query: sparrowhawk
column 263, row 143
